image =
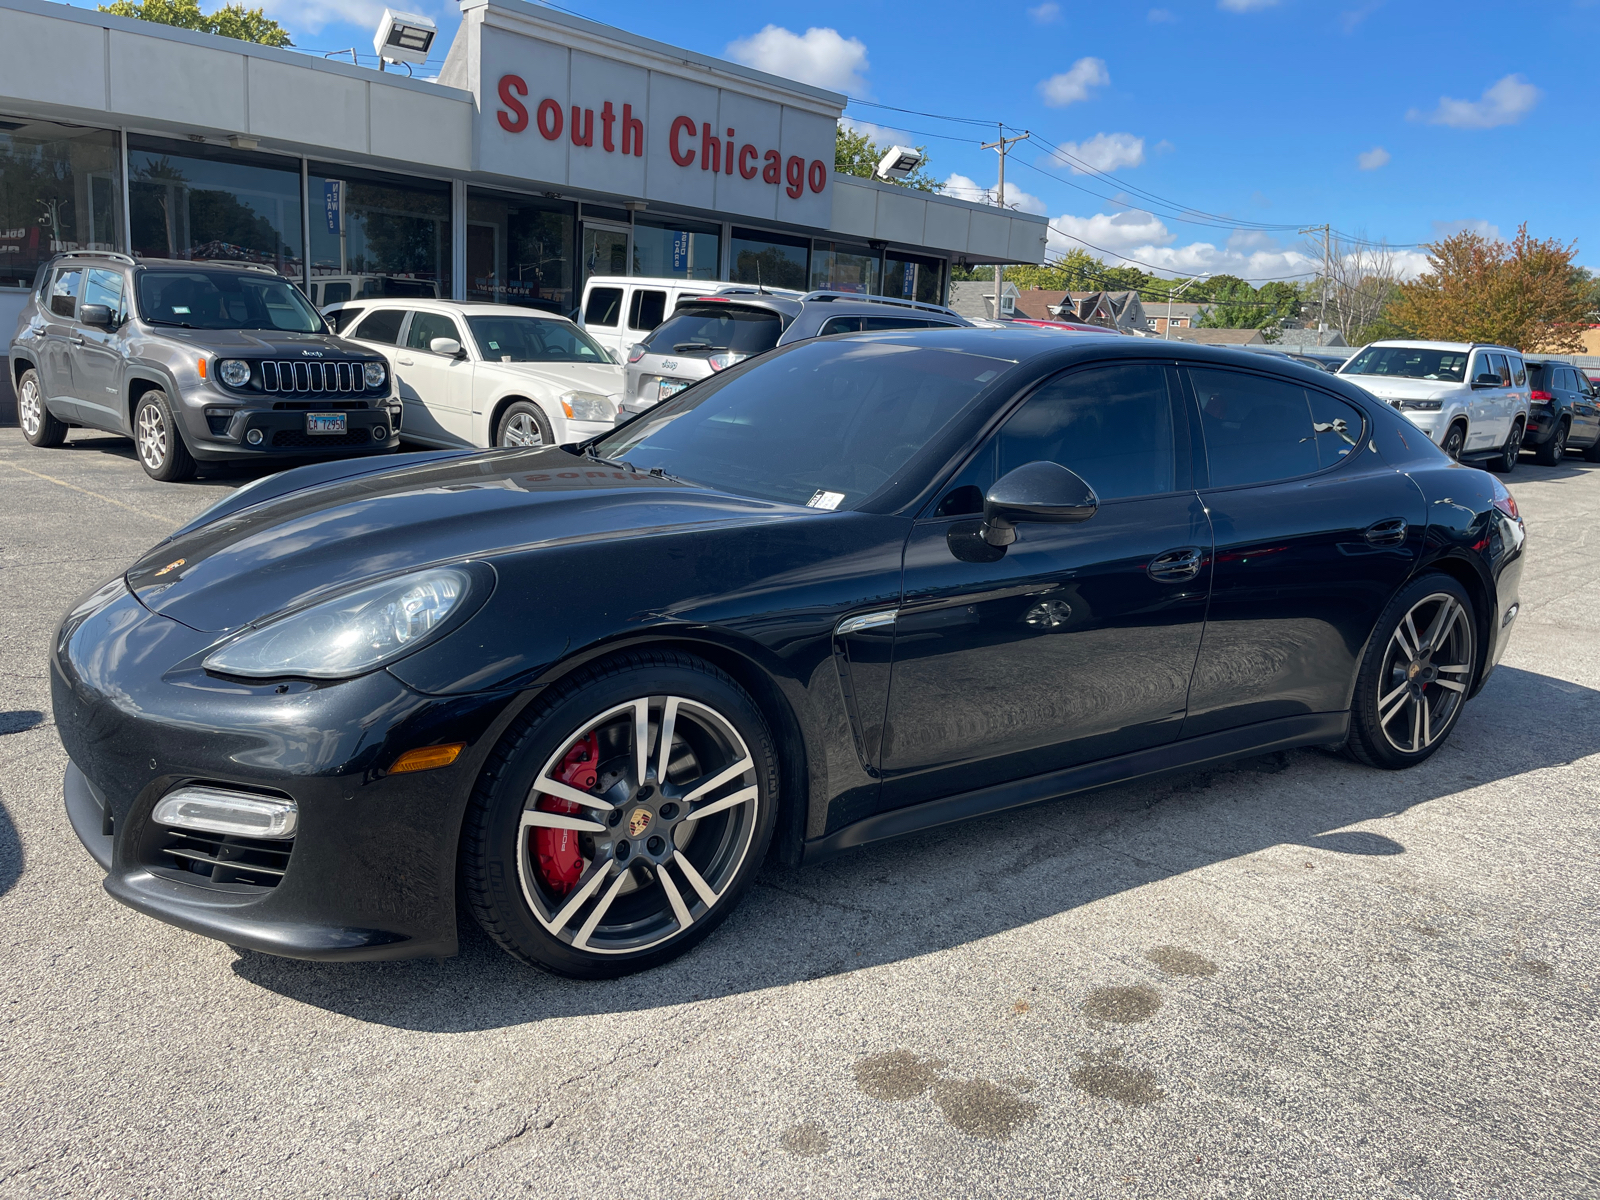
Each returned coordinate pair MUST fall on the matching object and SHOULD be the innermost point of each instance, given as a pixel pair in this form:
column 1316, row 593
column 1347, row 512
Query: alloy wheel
column 30, row 412
column 152, row 436
column 522, row 430
column 1558, row 445
column 636, row 826
column 1426, row 669
column 1453, row 441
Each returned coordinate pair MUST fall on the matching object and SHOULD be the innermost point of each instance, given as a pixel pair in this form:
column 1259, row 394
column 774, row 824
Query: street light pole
column 1002, row 147
column 1167, row 332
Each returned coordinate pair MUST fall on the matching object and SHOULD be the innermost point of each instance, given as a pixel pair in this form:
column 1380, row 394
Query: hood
column 265, row 343
column 286, row 550
column 1391, row 387
column 603, row 378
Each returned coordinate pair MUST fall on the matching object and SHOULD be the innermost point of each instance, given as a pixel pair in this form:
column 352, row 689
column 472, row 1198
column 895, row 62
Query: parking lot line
column 87, row 492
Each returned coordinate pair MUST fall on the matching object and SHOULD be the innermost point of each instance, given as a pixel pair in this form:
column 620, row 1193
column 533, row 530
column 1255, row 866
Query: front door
column 97, row 368
column 1078, row 642
column 440, row 383
column 1314, row 534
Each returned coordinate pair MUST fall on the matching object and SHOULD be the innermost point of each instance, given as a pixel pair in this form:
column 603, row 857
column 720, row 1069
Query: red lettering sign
column 795, row 171
column 549, row 120
column 517, row 119
column 747, row 168
column 817, row 175
column 681, row 125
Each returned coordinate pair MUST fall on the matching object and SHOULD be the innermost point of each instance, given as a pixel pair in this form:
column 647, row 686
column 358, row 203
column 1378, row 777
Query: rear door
column 61, row 339
column 1314, row 534
column 647, row 308
column 1078, row 642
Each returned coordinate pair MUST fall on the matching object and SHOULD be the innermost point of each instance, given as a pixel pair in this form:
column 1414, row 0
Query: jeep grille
column 330, row 377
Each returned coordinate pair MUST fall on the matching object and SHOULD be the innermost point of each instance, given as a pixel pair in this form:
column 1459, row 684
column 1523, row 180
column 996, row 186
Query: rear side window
column 701, row 328
column 64, row 292
column 1340, row 427
column 840, row 325
column 879, row 324
column 604, row 307
column 382, row 326
column 647, row 309
column 344, row 318
column 1256, row 429
column 1519, row 374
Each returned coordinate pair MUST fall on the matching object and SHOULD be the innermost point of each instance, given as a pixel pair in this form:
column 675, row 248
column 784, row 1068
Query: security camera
column 404, row 37
column 898, row 163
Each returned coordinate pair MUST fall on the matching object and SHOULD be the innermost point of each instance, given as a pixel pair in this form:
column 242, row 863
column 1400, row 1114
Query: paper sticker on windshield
column 176, row 309
column 494, row 345
column 827, row 500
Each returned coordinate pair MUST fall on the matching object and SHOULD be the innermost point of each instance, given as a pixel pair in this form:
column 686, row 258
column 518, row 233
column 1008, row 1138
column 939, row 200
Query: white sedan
column 487, row 374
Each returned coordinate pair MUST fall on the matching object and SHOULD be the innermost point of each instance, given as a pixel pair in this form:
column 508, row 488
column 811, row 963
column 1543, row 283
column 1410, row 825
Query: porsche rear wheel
column 622, row 818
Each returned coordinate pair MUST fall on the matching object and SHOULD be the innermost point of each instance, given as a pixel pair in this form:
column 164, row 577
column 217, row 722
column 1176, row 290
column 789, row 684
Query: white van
column 619, row 310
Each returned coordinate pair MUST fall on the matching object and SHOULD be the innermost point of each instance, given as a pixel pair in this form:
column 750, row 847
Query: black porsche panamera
column 854, row 588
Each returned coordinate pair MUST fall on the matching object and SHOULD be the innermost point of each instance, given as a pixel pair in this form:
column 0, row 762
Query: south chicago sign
column 632, row 120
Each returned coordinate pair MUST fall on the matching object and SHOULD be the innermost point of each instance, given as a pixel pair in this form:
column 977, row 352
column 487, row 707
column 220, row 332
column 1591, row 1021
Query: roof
column 482, row 308
column 1219, row 337
column 1420, row 344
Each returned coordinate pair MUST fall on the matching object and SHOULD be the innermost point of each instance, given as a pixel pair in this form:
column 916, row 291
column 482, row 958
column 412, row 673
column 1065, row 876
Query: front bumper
column 370, row 873
column 218, row 427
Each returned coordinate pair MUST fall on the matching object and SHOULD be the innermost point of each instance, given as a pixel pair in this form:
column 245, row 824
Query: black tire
column 1552, row 451
column 521, row 424
column 1505, row 460
column 38, row 426
column 158, row 441
column 1454, row 439
column 1406, row 702
column 619, row 908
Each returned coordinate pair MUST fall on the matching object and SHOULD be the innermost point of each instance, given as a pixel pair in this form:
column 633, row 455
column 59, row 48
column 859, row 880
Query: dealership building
column 551, row 148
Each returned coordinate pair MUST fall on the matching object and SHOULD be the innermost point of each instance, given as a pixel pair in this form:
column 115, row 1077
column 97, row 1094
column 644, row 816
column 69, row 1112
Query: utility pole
column 1002, row 147
column 1322, row 316
column 1173, row 294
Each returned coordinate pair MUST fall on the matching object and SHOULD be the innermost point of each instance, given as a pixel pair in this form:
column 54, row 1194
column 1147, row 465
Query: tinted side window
column 1112, row 425
column 1501, row 368
column 64, row 292
column 425, row 326
column 880, row 323
column 1519, row 374
column 1482, row 365
column 1340, row 427
column 604, row 307
column 344, row 318
column 647, row 310
column 104, row 287
column 1256, row 429
column 382, row 326
column 840, row 325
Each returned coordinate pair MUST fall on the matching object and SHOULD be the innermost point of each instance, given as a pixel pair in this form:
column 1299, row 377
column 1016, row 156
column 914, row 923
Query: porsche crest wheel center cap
column 639, row 821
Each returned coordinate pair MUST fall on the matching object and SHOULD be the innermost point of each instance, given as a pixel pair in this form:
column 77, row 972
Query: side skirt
column 1285, row 733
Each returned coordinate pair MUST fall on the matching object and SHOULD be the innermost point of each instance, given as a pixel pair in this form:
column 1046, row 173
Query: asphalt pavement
column 1288, row 977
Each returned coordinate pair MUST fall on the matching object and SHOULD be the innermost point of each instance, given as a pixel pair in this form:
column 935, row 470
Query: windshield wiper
column 174, row 324
column 589, row 453
column 685, row 347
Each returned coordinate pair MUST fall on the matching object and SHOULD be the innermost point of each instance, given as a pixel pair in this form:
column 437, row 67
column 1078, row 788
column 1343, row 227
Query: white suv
column 1471, row 399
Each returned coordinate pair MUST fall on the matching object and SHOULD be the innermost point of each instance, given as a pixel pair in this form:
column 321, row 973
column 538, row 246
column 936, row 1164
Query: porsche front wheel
column 621, row 820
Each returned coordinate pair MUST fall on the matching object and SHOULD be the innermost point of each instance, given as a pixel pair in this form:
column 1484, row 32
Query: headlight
column 351, row 633
column 587, row 406
column 235, row 372
column 376, row 373
column 1422, row 405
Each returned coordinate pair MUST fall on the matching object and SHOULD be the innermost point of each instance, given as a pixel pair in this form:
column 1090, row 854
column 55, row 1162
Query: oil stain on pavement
column 1106, row 1076
column 807, row 1139
column 1123, row 1005
column 1175, row 960
column 978, row 1107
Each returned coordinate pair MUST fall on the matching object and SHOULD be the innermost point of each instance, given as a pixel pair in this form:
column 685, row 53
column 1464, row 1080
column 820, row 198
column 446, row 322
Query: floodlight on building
column 404, row 37
column 898, row 163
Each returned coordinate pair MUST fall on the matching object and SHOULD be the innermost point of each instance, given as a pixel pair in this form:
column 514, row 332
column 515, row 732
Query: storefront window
column 770, row 259
column 911, row 277
column 376, row 234
column 519, row 250
column 60, row 189
column 838, row 267
column 677, row 250
column 191, row 201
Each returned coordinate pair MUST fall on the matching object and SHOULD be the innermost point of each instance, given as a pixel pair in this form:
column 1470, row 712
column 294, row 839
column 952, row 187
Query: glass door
column 606, row 249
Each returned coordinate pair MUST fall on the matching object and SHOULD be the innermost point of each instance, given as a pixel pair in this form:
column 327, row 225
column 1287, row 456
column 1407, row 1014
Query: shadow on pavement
column 943, row 889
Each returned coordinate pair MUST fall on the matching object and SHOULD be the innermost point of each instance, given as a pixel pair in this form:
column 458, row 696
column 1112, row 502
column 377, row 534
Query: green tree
column 234, row 20
column 856, row 154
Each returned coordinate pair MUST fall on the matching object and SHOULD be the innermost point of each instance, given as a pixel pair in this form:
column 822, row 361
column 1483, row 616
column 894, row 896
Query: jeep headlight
column 375, row 373
column 235, row 372
column 352, row 633
column 588, row 406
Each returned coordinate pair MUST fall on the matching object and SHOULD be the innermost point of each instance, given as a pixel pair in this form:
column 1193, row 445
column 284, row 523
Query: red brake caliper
column 560, row 860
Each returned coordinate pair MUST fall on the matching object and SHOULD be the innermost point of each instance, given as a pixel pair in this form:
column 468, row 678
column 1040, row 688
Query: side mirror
column 96, row 314
column 446, row 346
column 1036, row 491
column 1487, row 379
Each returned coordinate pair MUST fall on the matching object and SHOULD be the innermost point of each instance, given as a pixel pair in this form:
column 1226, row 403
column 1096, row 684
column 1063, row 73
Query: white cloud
column 1075, row 83
column 306, row 16
column 1046, row 13
column 1371, row 160
column 1444, row 229
column 1244, row 6
column 963, row 187
column 1102, row 152
column 1161, row 16
column 823, row 57
column 1503, row 103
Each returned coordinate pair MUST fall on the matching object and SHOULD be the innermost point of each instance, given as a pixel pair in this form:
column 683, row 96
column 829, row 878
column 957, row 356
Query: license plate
column 671, row 387
column 325, row 423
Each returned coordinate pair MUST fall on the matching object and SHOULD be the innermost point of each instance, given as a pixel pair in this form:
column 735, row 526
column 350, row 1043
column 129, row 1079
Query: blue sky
column 1390, row 120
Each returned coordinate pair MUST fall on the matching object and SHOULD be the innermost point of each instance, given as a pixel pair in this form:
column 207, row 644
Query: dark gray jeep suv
column 193, row 360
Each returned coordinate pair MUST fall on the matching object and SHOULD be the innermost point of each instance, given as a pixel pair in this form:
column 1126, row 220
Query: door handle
column 1391, row 532
column 406, row 362
column 1174, row 566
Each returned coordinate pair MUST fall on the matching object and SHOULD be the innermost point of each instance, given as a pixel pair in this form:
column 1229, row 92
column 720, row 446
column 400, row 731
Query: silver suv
column 708, row 333
column 193, row 360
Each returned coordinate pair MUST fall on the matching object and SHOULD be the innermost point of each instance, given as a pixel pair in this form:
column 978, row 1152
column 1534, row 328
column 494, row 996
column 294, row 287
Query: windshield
column 1407, row 362
column 534, row 339
column 706, row 327
column 826, row 424
column 202, row 299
